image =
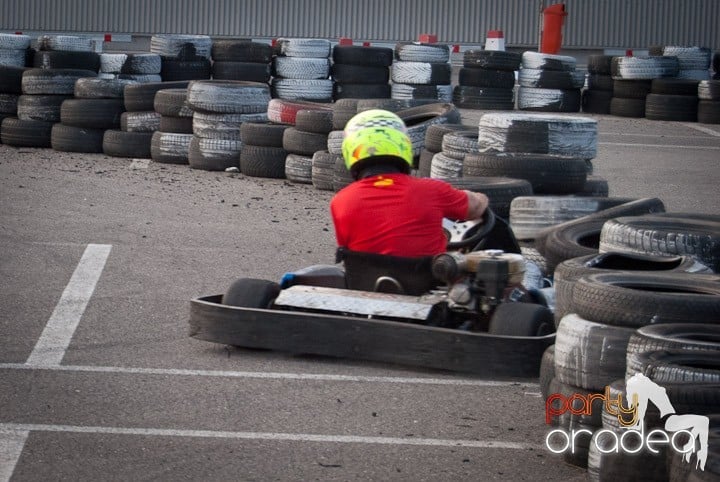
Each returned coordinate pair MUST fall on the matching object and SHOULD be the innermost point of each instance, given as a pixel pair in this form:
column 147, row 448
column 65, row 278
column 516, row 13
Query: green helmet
column 373, row 134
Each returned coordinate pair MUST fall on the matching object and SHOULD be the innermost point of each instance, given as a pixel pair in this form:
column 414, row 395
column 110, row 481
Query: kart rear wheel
column 521, row 319
column 251, row 293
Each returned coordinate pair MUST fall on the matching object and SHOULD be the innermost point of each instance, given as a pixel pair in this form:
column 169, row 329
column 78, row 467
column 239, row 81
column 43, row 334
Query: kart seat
column 386, row 273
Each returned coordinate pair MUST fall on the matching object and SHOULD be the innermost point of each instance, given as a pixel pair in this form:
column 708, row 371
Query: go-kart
column 464, row 310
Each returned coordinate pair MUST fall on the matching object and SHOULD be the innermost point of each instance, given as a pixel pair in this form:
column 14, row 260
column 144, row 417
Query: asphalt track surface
column 100, row 381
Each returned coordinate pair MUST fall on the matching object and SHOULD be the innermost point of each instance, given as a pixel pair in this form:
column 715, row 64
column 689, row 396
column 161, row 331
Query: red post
column 366, row 44
column 345, row 41
column 427, row 38
column 108, row 37
column 456, row 49
column 553, row 19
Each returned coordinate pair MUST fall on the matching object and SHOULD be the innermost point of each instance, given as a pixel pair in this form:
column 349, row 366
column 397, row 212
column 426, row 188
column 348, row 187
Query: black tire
column 303, row 143
column 177, row 125
column 546, row 173
column 228, row 96
column 435, row 133
column 600, row 82
column 623, row 107
column 551, row 79
column 589, row 354
column 521, row 319
column 483, row 98
column 241, row 51
column 11, row 79
column 709, row 90
column 213, row 154
column 530, row 215
column 492, row 59
column 500, row 190
column 179, row 70
column 631, row 89
column 284, row 111
column 596, row 186
column 62, row 59
column 682, row 108
column 40, row 107
column 170, row 148
column 691, row 367
column 343, row 111
column 359, row 74
column 316, row 121
column 323, row 170
column 675, row 87
column 97, row 88
column 251, row 293
column 361, row 91
column 172, row 102
column 53, row 81
column 247, row 71
column 424, row 163
column 666, row 234
column 298, row 168
column 597, row 101
column 708, row 112
column 547, row 371
column 549, row 100
column 671, row 336
column 262, row 134
column 638, row 299
column 499, row 79
column 134, row 145
column 141, row 97
column 539, row 60
column 599, row 64
column 263, row 161
column 570, row 270
column 140, row 121
column 422, row 73
column 92, row 113
column 581, row 237
column 76, row 139
column 26, row 133
column 365, row 56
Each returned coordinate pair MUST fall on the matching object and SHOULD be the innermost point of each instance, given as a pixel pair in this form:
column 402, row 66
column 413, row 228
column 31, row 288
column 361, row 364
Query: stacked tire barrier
column 25, row 131
column 301, row 70
column 65, row 52
column 598, row 95
column 450, row 161
column 672, row 100
column 708, row 109
column 241, row 60
column 693, row 62
column 632, row 80
column 308, row 136
column 422, row 71
column 361, row 72
column 183, row 57
column 132, row 66
column 549, row 83
column 14, row 50
column 433, row 144
column 219, row 108
column 487, row 80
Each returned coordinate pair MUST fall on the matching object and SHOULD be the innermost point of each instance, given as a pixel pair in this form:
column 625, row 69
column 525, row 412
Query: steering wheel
column 468, row 234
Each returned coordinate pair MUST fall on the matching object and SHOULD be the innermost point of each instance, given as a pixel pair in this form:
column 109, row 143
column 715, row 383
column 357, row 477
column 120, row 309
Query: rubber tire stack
column 449, row 162
column 301, row 70
column 693, row 62
column 65, row 52
column 140, row 117
column 241, row 60
column 632, row 79
column 549, row 83
column 361, row 72
column 422, row 71
column 224, row 105
column 486, row 80
column 672, row 100
column 14, row 50
column 598, row 95
column 433, row 144
column 140, row 67
column 709, row 103
column 304, row 138
column 262, row 154
column 15, row 131
column 184, row 57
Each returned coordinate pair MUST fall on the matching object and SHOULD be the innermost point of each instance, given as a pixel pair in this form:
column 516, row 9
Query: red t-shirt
column 396, row 214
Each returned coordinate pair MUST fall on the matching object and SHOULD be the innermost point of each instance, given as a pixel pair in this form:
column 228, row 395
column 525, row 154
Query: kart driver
column 386, row 210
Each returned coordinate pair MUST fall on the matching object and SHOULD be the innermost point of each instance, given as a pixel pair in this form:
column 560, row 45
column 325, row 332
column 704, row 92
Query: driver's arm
column 477, row 204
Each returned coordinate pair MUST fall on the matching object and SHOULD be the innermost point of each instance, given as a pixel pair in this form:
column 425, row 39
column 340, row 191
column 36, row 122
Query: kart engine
column 479, row 280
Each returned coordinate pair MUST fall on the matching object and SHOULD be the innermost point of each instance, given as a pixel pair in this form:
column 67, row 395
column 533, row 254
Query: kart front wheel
column 251, row 293
column 521, row 319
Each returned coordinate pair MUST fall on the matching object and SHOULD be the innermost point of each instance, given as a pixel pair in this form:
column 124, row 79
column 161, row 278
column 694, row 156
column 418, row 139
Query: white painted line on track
column 704, row 129
column 55, row 338
column 140, row 164
column 12, row 442
column 283, row 437
column 662, row 146
column 266, row 375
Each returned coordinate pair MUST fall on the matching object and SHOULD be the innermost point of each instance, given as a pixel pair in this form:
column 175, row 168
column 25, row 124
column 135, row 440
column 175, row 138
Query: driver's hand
column 477, row 204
